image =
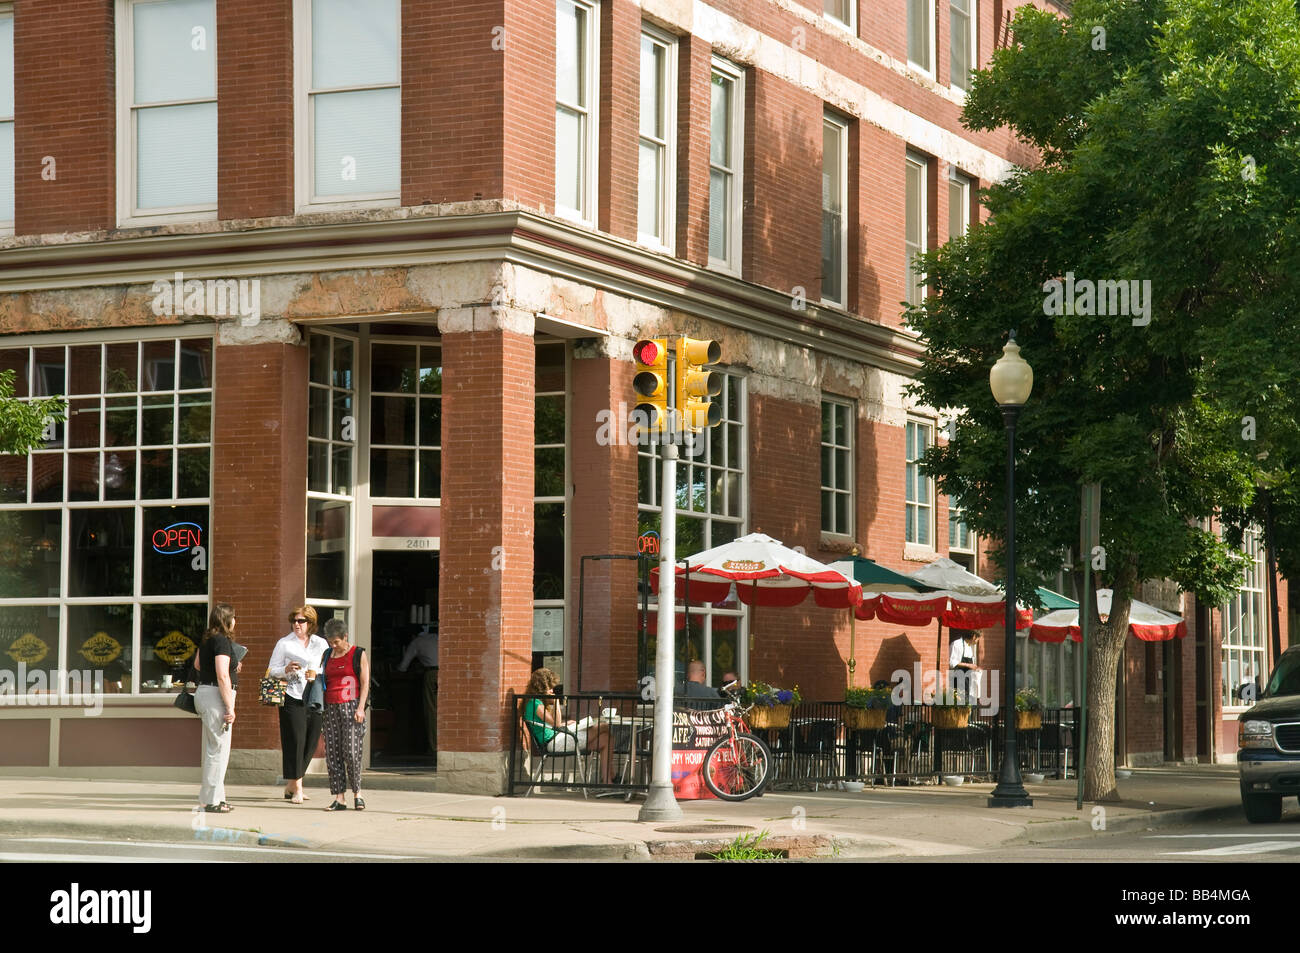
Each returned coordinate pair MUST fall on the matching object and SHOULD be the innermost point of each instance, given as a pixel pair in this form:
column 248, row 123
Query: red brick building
column 342, row 294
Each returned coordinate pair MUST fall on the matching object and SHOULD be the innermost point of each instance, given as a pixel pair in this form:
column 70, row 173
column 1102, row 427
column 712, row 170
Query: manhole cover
column 703, row 829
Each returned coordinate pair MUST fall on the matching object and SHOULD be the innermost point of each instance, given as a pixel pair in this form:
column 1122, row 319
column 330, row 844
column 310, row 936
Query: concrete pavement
column 878, row 822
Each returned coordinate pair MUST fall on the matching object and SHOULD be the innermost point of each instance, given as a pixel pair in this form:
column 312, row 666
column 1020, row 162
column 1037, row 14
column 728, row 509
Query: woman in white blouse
column 297, row 659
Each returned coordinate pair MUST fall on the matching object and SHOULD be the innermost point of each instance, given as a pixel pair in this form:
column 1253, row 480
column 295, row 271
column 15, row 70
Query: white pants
column 216, row 744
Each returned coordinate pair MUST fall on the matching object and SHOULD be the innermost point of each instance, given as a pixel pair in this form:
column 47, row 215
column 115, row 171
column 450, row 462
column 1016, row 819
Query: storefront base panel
column 1146, row 759
column 473, row 772
column 127, row 742
column 111, row 773
column 24, row 742
column 253, row 766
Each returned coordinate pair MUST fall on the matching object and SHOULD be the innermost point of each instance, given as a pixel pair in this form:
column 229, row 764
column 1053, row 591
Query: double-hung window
column 726, row 143
column 835, row 142
column 656, row 177
column 350, row 105
column 958, row 205
column 964, row 23
column 1244, row 660
column 920, row 34
column 575, row 109
column 167, row 125
column 841, row 11
column 920, row 488
column 6, row 119
column 914, row 241
column 837, row 467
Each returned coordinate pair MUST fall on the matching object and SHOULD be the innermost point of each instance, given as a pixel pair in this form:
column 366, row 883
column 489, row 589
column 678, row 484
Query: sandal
column 359, row 804
column 296, row 799
column 222, row 808
column 337, row 806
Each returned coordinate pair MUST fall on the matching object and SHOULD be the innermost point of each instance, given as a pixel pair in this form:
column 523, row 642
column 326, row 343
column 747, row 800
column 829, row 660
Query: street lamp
column 1011, row 380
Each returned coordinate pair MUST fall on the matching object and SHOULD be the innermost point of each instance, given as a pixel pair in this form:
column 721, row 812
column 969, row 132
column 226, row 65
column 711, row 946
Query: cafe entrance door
column 404, row 605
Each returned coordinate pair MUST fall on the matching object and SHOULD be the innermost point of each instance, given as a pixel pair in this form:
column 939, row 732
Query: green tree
column 1168, row 136
column 23, row 423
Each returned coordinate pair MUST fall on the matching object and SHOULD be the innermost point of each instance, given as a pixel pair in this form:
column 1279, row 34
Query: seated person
column 694, row 691
column 542, row 719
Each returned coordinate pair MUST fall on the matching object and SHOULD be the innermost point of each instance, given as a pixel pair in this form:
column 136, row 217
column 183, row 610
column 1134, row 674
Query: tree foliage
column 23, row 423
column 1169, row 156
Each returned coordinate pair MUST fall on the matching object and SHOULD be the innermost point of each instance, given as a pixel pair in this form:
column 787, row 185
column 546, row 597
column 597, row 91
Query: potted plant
column 1029, row 710
column 865, row 708
column 951, row 709
column 770, row 706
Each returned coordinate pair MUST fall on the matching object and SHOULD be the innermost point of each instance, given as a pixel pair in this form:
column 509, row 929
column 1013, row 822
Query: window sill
column 168, row 218
column 919, row 553
column 838, row 543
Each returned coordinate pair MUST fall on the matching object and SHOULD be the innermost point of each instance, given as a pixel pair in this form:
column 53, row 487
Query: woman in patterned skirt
column 345, row 713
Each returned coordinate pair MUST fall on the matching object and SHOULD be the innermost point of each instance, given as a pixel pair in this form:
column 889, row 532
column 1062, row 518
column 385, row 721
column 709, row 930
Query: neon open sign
column 177, row 538
column 648, row 543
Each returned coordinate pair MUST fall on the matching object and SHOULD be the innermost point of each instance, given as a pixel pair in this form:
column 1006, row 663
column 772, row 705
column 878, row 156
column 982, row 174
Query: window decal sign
column 101, row 648
column 177, row 538
column 174, row 648
column 28, row 648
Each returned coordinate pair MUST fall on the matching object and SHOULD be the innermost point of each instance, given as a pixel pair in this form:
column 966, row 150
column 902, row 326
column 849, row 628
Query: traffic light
column 651, row 384
column 696, row 383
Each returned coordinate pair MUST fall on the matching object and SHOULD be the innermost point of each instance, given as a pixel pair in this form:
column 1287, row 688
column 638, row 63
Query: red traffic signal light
column 651, row 384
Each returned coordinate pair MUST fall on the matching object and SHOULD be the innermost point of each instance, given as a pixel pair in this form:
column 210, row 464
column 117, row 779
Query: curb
column 1082, row 827
column 231, row 836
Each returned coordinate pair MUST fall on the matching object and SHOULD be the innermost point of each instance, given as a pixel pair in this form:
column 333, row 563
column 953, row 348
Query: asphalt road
column 89, row 850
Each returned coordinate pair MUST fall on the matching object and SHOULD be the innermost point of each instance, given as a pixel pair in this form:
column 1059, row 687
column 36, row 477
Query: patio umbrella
column 1144, row 622
column 765, row 572
column 875, row 580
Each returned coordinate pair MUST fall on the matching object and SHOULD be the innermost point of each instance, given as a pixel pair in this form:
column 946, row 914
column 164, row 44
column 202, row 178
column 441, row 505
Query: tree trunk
column 1105, row 651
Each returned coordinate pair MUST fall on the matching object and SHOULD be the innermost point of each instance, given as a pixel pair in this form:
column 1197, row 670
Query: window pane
column 318, row 412
column 156, row 475
column 431, row 422
column 918, row 32
column 318, row 466
column 342, row 413
column 358, row 142
column 123, row 368
column 353, row 43
column 961, row 51
column 7, row 162
column 176, row 156
column 29, row 635
column 319, row 360
column 719, row 212
column 548, row 551
column 157, row 420
column 83, row 478
column 719, row 120
column 548, row 473
column 392, row 420
column 102, row 554
column 569, row 157
column 327, row 549
column 7, row 66
column 13, row 479
column 30, row 546
column 171, row 533
column 392, row 473
column 841, row 512
column 169, row 637
column 16, row 359
column 192, row 473
column 119, row 475
column 914, row 186
column 99, row 640
column 392, row 368
column 83, row 423
column 956, row 209
column 196, row 419
column 175, row 44
column 430, row 474
column 570, row 32
column 549, row 422
column 84, row 372
column 652, row 76
column 342, row 470
column 49, row 379
column 648, row 190
column 196, row 364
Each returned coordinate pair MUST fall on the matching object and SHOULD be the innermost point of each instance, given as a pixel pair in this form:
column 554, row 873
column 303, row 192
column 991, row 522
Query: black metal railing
column 813, row 744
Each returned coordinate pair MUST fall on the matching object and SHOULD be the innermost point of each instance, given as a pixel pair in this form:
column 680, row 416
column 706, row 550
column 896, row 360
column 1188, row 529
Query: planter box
column 762, row 718
column 1028, row 720
column 951, row 717
column 864, row 719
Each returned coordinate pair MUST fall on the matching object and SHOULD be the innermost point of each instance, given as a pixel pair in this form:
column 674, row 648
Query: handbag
column 185, row 701
column 270, row 691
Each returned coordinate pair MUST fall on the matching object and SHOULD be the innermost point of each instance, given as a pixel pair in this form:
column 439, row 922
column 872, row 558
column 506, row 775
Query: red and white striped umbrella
column 1144, row 622
column 765, row 572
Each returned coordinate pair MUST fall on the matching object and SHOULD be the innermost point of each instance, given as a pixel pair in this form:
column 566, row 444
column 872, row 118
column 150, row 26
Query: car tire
column 1262, row 808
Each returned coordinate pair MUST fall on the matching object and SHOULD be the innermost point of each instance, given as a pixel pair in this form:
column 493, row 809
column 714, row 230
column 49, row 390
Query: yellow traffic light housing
column 697, row 383
column 651, row 384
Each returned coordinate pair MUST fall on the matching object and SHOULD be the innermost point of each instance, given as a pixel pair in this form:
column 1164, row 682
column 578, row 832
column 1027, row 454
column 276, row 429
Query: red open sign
column 648, row 544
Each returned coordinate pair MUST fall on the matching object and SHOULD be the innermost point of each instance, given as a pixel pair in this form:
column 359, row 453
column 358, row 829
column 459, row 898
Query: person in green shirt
column 542, row 718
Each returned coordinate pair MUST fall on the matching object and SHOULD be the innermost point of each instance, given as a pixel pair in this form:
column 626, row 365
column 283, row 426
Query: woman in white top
column 297, row 659
column 963, row 657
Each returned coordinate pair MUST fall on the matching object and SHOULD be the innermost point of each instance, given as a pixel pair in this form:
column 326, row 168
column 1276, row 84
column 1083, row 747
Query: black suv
column 1268, row 739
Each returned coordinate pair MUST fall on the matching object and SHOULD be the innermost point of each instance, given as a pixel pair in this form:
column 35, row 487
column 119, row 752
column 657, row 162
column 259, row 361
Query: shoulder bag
column 270, row 691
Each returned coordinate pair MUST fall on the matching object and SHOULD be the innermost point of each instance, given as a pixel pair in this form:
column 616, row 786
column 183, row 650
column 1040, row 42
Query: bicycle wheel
column 737, row 767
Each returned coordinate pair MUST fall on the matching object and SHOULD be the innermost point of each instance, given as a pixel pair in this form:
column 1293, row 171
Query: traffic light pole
column 661, row 803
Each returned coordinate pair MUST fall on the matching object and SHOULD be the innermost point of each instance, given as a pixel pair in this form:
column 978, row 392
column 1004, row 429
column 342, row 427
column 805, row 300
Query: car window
column 1286, row 677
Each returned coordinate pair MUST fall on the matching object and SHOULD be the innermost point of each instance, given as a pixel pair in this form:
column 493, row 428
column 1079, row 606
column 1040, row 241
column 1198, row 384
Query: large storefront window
column 711, row 510
column 104, row 548
column 405, row 421
column 549, row 482
column 1244, row 663
column 1053, row 669
column 331, row 442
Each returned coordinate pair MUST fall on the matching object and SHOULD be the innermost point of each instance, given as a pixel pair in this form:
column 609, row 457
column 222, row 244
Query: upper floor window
column 962, row 59
column 920, row 34
column 841, row 10
column 6, row 119
column 167, row 125
column 726, row 142
column 656, row 178
column 914, row 241
column 837, row 467
column 835, row 140
column 920, row 488
column 958, row 205
column 575, row 109
column 350, row 109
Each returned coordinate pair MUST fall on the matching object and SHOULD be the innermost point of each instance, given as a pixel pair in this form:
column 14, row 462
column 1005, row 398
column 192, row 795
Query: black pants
column 299, row 734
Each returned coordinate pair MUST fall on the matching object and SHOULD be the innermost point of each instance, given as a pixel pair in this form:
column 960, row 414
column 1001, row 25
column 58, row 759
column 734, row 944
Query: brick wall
column 64, row 98
column 620, row 113
column 694, row 98
column 529, row 123
column 259, row 528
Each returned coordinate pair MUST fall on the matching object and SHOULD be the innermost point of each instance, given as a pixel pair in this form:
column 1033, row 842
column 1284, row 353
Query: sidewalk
column 879, row 822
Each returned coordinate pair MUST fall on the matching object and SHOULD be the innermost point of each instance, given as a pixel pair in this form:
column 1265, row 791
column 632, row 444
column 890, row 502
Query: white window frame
column 128, row 213
column 7, row 227
column 911, row 250
column 960, row 185
column 666, row 200
column 304, row 132
column 956, row 524
column 830, row 119
column 972, row 36
column 590, row 157
column 847, row 408
column 851, row 23
column 912, row 546
column 930, row 30
column 1246, row 642
column 735, row 168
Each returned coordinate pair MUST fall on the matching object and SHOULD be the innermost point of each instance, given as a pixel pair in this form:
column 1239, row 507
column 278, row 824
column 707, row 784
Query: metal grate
column 1288, row 737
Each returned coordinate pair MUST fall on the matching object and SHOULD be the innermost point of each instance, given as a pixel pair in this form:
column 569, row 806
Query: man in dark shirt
column 694, row 693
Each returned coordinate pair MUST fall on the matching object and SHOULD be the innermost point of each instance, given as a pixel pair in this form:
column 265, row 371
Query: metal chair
column 539, row 755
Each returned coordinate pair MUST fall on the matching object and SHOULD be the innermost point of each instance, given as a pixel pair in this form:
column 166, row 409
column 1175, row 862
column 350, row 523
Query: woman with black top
column 215, row 701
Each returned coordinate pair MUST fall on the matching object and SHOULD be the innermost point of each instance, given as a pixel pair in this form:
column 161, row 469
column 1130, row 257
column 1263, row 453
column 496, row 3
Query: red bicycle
column 739, row 765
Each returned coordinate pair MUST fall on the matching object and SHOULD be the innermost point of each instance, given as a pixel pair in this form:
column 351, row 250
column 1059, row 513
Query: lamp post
column 1011, row 380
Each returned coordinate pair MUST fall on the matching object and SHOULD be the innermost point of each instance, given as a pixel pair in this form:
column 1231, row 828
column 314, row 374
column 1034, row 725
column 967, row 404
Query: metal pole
column 1010, row 791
